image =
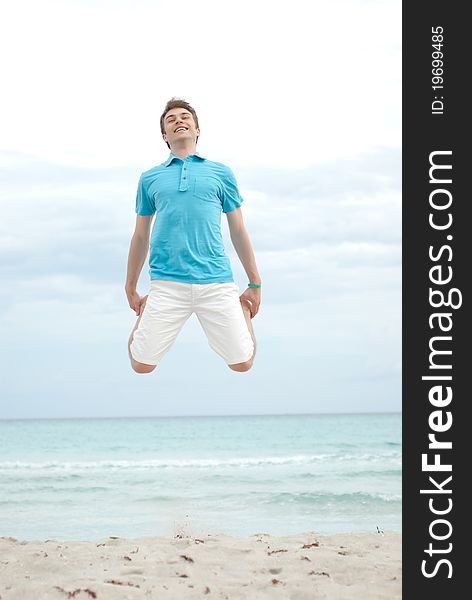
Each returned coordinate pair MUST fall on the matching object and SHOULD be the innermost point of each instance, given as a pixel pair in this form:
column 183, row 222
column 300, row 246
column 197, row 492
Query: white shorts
column 170, row 304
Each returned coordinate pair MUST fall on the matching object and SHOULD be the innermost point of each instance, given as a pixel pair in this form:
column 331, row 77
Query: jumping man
column 189, row 269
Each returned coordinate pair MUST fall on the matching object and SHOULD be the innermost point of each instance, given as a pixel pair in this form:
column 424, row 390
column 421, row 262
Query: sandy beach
column 295, row 567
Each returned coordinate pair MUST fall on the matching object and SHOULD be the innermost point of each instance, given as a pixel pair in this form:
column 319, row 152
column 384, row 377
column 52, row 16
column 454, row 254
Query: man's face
column 179, row 127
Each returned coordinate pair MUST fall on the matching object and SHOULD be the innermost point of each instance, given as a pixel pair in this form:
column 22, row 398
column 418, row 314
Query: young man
column 190, row 271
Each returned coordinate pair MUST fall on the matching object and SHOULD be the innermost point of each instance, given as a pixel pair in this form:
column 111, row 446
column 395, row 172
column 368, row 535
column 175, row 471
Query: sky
column 302, row 100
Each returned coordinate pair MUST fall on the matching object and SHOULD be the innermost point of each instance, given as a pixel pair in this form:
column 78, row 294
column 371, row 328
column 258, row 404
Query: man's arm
column 242, row 245
column 137, row 255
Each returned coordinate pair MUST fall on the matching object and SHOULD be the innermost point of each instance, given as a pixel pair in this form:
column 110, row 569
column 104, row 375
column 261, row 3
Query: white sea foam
column 203, row 463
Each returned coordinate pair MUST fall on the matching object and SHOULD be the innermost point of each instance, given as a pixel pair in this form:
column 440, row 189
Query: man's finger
column 142, row 304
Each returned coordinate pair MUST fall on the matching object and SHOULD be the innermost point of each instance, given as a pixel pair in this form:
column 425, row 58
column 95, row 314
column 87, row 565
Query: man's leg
column 226, row 321
column 245, row 366
column 167, row 308
column 137, row 366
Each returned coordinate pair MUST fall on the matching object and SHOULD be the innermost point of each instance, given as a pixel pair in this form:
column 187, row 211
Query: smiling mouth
column 180, row 129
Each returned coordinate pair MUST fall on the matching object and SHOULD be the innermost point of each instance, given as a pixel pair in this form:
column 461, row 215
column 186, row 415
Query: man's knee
column 141, row 367
column 138, row 367
column 241, row 367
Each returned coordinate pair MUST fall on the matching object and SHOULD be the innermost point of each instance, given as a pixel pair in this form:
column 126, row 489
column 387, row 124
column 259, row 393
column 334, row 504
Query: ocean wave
column 332, row 498
column 54, row 489
column 36, row 501
column 373, row 473
column 350, row 473
column 204, row 463
column 285, row 498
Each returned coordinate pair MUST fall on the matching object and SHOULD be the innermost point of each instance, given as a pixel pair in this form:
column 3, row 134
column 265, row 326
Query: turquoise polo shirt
column 188, row 197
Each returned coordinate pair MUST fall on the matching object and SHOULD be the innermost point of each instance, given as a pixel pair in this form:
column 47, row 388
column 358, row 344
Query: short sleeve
column 231, row 198
column 144, row 204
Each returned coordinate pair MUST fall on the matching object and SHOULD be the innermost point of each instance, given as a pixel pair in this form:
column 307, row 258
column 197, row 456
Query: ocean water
column 86, row 479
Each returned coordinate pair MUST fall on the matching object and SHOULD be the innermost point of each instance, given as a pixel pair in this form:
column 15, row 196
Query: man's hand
column 136, row 302
column 252, row 298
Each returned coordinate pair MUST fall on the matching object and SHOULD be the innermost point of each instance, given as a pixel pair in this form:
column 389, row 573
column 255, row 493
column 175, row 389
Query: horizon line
column 304, row 414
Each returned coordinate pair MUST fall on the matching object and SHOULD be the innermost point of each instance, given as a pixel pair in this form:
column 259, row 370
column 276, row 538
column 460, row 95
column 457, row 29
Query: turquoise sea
column 86, row 479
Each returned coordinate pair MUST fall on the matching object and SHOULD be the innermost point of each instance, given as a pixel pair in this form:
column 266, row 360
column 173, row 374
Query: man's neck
column 183, row 152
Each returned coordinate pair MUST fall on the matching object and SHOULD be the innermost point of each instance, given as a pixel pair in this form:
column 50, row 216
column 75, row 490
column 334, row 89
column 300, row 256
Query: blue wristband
column 254, row 285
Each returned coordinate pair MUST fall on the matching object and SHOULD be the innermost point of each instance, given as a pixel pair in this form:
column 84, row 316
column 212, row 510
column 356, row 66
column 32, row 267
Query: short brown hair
column 178, row 103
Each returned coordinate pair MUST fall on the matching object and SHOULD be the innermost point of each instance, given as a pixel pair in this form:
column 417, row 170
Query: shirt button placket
column 183, row 178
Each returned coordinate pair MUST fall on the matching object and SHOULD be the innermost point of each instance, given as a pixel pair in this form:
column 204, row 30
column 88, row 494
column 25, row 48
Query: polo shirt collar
column 172, row 156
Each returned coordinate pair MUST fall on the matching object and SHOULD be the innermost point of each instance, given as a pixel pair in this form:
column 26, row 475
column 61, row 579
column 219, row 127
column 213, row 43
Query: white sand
column 295, row 567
